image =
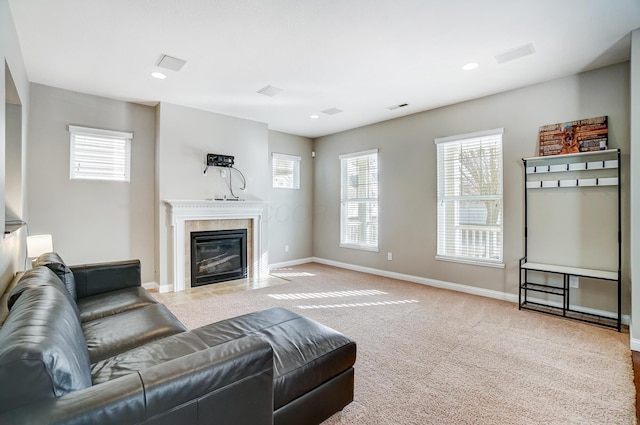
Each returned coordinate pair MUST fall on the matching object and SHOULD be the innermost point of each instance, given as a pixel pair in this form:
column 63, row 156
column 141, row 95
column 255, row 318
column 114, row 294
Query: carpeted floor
column 432, row 356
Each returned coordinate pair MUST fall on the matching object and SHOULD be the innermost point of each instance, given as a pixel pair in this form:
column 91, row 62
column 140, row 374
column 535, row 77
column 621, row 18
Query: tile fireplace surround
column 186, row 215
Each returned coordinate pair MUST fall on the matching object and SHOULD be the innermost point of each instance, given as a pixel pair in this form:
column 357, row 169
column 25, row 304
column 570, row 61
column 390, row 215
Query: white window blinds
column 470, row 220
column 286, row 171
column 359, row 200
column 99, row 154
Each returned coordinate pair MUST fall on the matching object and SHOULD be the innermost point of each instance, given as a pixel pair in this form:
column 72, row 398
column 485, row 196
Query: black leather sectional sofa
column 88, row 345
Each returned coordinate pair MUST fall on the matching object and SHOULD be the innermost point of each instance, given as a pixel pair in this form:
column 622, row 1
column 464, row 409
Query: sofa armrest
column 117, row 402
column 93, row 279
column 232, row 382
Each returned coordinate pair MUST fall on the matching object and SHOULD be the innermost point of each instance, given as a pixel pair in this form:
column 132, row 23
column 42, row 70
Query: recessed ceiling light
column 158, row 75
column 314, row 116
column 470, row 66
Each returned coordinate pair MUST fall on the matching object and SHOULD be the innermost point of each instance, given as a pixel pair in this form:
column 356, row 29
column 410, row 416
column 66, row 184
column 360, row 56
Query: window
column 99, row 154
column 286, row 171
column 470, row 198
column 359, row 200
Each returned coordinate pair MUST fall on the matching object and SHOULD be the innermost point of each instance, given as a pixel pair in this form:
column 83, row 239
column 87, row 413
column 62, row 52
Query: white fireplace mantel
column 181, row 211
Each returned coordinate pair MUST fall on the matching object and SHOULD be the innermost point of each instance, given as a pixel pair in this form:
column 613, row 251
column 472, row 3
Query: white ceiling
column 360, row 56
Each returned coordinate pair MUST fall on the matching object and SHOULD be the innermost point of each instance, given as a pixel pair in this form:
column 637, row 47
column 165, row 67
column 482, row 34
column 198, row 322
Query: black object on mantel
column 217, row 160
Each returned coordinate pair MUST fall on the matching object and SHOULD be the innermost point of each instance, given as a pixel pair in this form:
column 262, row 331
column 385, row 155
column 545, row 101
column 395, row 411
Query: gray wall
column 635, row 190
column 91, row 221
column 12, row 248
column 185, row 136
column 290, row 217
column 408, row 175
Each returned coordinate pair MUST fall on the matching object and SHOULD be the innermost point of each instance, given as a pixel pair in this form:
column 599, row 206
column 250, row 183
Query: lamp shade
column 38, row 245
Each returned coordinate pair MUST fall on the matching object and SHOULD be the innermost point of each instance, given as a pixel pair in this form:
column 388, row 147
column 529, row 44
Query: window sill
column 360, row 247
column 494, row 264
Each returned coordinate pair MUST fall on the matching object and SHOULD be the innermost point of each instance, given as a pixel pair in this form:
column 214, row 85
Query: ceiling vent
column 393, row 107
column 332, row 111
column 169, row 62
column 270, row 91
column 515, row 53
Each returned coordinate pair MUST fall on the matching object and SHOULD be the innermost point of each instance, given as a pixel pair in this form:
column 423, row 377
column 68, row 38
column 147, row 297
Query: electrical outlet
column 389, row 256
column 286, row 248
column 574, row 282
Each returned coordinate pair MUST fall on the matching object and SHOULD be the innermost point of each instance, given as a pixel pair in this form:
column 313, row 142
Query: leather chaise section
column 225, row 330
column 115, row 334
column 306, row 353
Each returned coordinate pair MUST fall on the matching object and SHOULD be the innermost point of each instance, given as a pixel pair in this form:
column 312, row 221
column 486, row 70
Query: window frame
column 443, row 253
column 344, row 199
column 295, row 160
column 105, row 136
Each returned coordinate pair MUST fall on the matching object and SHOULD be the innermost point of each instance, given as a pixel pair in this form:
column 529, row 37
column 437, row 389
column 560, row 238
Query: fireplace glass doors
column 218, row 256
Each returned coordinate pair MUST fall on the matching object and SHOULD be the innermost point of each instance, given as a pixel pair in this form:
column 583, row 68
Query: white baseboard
column 291, row 263
column 151, row 286
column 489, row 293
column 633, row 342
column 156, row 287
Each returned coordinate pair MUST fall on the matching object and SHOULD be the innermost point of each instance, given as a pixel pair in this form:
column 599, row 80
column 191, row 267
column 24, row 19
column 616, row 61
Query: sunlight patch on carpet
column 334, row 294
column 378, row 303
column 292, row 274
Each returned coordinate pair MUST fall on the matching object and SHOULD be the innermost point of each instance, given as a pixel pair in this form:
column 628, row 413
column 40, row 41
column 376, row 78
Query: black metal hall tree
column 584, row 171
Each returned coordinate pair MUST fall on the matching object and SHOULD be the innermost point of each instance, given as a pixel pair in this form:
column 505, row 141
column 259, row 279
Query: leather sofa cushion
column 306, row 353
column 43, row 354
column 114, row 302
column 40, row 276
column 116, row 334
column 142, row 357
column 53, row 261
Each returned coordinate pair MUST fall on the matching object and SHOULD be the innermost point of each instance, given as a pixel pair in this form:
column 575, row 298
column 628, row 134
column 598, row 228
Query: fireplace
column 218, row 256
column 187, row 216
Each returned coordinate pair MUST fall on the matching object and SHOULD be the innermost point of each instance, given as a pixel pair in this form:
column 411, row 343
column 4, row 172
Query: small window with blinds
column 99, row 154
column 359, row 200
column 286, row 171
column 470, row 220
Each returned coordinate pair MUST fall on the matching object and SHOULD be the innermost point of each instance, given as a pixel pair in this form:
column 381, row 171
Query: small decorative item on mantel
column 575, row 136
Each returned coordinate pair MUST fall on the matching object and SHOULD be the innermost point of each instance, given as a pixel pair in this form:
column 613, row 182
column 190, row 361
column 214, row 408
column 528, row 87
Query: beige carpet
column 431, row 356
